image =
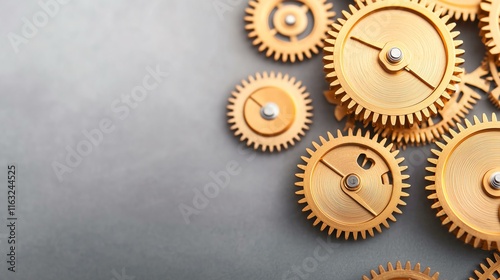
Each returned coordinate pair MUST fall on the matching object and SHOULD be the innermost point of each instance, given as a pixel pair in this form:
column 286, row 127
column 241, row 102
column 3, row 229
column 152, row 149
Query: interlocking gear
column 493, row 94
column 466, row 182
column 400, row 272
column 459, row 9
column 270, row 111
column 283, row 29
column 394, row 63
column 491, row 270
column 340, row 111
column 352, row 184
column 453, row 112
column 490, row 29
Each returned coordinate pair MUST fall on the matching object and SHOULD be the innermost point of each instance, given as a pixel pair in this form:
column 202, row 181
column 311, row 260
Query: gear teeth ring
column 490, row 270
column 352, row 184
column 270, row 111
column 400, row 272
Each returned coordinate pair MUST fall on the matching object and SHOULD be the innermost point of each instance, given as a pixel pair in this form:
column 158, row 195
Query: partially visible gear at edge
column 403, row 273
column 489, row 269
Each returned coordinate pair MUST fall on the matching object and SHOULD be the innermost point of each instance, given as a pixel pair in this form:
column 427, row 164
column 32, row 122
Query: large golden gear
column 270, row 111
column 401, row 273
column 288, row 38
column 490, row 28
column 466, row 183
column 459, row 9
column 494, row 94
column 453, row 112
column 352, row 184
column 490, row 269
column 393, row 62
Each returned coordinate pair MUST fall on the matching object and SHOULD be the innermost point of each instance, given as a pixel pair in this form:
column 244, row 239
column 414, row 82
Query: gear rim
column 400, row 272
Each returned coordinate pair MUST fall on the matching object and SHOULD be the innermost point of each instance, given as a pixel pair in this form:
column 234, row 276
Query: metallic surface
column 461, row 191
column 268, row 132
column 494, row 76
column 459, row 9
column 337, row 206
column 287, row 39
column 371, row 88
column 454, row 111
column 490, row 29
column 400, row 272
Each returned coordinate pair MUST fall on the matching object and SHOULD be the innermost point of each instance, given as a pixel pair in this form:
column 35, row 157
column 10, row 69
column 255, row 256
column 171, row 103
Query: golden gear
column 460, row 9
column 352, row 184
column 453, row 112
column 270, row 111
column 402, row 273
column 494, row 94
column 466, row 183
column 394, row 63
column 289, row 21
column 489, row 270
column 490, row 29
column 340, row 111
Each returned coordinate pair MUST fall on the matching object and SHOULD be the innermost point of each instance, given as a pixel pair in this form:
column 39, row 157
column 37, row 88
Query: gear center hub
column 269, row 111
column 491, row 182
column 352, row 182
column 290, row 20
column 394, row 56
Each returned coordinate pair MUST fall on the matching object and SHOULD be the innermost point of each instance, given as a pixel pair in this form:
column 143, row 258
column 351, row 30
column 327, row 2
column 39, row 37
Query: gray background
column 118, row 211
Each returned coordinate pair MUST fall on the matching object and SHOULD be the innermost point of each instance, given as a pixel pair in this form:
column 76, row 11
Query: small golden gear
column 494, row 94
column 270, row 111
column 352, row 184
column 453, row 112
column 466, row 182
column 281, row 27
column 459, row 9
column 393, row 62
column 490, row 29
column 402, row 273
column 340, row 111
column 491, row 270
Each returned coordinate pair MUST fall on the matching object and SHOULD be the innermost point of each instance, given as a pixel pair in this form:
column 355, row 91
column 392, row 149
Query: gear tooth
column 373, row 274
column 316, row 145
column 390, row 267
column 330, row 230
column 338, row 233
column 299, row 175
column 311, row 215
column 323, row 226
column 306, row 209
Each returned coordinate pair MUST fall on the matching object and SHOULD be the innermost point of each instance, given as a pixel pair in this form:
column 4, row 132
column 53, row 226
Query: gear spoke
column 407, row 68
column 371, row 44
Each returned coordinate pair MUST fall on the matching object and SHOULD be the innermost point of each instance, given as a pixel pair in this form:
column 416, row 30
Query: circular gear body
column 455, row 111
column 490, row 27
column 463, row 183
column 394, row 63
column 270, row 111
column 352, row 184
column 401, row 273
column 288, row 30
column 460, row 9
column 490, row 269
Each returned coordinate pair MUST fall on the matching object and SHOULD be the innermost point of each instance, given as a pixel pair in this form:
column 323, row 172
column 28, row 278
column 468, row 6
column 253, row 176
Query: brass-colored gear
column 494, row 94
column 284, row 29
column 393, row 62
column 490, row 28
column 340, row 111
column 491, row 270
column 459, row 9
column 352, row 184
column 402, row 273
column 453, row 112
column 270, row 111
column 466, row 182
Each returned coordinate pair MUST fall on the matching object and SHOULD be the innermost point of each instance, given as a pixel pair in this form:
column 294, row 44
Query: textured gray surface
column 117, row 214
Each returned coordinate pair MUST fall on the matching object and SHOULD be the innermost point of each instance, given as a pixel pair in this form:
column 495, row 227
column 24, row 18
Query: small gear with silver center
column 400, row 74
column 465, row 179
column 454, row 111
column 490, row 28
column 352, row 184
column 490, row 270
column 270, row 111
column 288, row 30
column 403, row 273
